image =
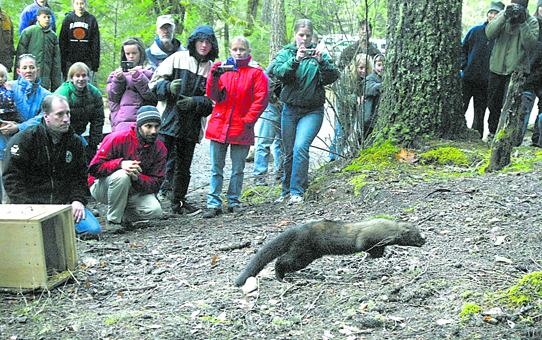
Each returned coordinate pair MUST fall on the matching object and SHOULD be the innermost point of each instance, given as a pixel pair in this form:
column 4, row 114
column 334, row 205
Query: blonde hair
column 77, row 67
column 3, row 71
column 359, row 59
column 241, row 39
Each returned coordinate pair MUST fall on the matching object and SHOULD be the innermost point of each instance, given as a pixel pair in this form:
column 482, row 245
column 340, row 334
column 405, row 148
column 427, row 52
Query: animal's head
column 409, row 236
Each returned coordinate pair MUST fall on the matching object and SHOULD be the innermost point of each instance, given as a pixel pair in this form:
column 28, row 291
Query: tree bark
column 422, row 96
column 509, row 125
column 252, row 12
column 278, row 27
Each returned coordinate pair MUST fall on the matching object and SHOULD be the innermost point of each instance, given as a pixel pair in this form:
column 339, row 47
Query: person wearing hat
column 475, row 55
column 165, row 44
column 128, row 170
column 45, row 164
column 516, row 34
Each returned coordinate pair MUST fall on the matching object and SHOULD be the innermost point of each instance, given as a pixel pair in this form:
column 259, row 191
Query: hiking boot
column 114, row 228
column 295, row 200
column 212, row 212
column 184, row 208
column 260, row 182
column 235, row 209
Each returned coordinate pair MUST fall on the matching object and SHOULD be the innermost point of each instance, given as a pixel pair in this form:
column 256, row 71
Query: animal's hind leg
column 292, row 261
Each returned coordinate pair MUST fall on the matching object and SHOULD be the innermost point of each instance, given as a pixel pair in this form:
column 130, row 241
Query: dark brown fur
column 297, row 247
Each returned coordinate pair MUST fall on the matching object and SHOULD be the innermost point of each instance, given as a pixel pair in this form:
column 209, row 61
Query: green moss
column 359, row 182
column 445, row 156
column 377, row 157
column 528, row 289
column 468, row 309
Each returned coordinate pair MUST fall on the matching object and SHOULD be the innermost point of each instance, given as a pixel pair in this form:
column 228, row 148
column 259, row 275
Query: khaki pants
column 123, row 202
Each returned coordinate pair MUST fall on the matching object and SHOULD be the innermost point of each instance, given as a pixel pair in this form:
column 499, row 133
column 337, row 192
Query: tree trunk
column 422, row 96
column 510, row 124
column 278, row 27
column 252, row 12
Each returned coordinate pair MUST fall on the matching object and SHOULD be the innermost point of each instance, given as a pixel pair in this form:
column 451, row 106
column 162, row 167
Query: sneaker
column 280, row 200
column 184, row 208
column 235, row 209
column 296, row 200
column 212, row 212
column 163, row 195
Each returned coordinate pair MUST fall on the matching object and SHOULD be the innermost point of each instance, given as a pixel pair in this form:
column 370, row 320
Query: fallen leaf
column 406, row 157
column 213, row 261
column 442, row 322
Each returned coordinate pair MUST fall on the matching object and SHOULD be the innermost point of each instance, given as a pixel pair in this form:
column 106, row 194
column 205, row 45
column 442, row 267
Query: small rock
column 503, row 259
column 250, row 285
column 500, row 240
column 493, row 311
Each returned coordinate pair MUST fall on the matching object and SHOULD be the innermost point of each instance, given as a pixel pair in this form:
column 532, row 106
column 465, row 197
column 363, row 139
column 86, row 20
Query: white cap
column 163, row 20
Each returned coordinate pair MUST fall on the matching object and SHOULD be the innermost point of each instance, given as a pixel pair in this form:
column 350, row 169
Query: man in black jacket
column 45, row 164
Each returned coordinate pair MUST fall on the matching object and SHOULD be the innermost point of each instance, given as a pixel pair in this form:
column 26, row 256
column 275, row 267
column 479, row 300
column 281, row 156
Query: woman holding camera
column 128, row 86
column 304, row 72
column 239, row 89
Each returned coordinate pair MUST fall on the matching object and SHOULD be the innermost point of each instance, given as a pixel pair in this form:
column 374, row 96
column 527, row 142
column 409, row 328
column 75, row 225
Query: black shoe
column 235, row 209
column 212, row 212
column 184, row 208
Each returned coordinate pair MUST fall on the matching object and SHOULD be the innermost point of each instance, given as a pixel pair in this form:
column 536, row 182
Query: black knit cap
column 148, row 114
column 524, row 3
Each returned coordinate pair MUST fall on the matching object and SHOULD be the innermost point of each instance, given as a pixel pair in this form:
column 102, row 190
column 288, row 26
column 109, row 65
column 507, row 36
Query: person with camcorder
column 128, row 86
column 516, row 34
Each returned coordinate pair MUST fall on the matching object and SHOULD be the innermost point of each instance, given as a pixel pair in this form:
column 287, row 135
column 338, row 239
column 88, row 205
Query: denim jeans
column 270, row 128
column 299, row 128
column 238, row 155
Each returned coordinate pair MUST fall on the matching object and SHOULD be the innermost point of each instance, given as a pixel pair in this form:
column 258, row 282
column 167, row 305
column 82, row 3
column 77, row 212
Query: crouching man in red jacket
column 128, row 170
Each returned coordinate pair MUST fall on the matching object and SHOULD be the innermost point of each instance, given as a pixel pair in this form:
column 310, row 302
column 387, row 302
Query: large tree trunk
column 278, row 27
column 509, row 127
column 422, row 97
column 252, row 12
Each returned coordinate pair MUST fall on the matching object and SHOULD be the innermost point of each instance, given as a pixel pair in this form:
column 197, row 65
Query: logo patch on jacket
column 69, row 156
column 15, row 150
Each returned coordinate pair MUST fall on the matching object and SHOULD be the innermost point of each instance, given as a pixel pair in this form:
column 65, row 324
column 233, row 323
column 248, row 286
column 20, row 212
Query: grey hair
column 241, row 39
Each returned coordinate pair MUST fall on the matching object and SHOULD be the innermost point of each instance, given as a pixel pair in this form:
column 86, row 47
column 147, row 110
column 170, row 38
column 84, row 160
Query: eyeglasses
column 27, row 55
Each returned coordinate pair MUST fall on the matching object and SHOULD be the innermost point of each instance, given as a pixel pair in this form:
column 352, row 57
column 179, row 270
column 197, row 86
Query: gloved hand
column 508, row 12
column 186, row 103
column 216, row 71
column 175, row 86
column 522, row 14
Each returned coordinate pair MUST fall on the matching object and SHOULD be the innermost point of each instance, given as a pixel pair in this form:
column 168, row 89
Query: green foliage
column 468, row 309
column 444, row 155
column 378, row 157
column 528, row 289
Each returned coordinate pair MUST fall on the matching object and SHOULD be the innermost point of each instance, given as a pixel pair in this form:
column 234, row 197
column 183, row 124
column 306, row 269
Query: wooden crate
column 37, row 245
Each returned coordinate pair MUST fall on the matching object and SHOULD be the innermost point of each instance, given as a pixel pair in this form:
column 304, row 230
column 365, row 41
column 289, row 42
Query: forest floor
column 173, row 278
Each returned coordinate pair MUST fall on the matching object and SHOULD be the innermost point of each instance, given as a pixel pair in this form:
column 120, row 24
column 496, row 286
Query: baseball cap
column 164, row 19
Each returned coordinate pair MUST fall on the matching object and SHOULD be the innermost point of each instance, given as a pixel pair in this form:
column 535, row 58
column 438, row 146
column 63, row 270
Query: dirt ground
column 173, row 277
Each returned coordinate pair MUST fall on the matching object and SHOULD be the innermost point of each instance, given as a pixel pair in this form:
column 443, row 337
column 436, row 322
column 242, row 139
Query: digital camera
column 126, row 65
column 309, row 52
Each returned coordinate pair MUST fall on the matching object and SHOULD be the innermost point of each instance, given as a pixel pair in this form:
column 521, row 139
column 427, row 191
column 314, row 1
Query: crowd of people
column 165, row 98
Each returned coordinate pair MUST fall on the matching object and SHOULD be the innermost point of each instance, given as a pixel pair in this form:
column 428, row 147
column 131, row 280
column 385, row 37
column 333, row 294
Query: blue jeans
column 299, row 128
column 270, row 127
column 89, row 225
column 238, row 155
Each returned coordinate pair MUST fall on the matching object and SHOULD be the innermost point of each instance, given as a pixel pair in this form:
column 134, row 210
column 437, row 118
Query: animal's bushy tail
column 269, row 252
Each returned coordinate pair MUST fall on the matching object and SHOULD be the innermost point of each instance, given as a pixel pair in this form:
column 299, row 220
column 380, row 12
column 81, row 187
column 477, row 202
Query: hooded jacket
column 125, row 145
column 28, row 97
column 6, row 41
column 303, row 81
column 126, row 96
column 43, row 44
column 38, row 172
column 86, row 106
column 241, row 96
column 193, row 69
column 157, row 53
column 79, row 41
column 513, row 45
column 29, row 17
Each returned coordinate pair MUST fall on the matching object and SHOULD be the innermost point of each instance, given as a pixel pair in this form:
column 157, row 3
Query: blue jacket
column 475, row 55
column 157, row 54
column 28, row 17
column 28, row 97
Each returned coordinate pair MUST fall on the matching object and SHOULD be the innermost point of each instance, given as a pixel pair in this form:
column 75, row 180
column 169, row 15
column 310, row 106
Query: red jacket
column 124, row 145
column 241, row 97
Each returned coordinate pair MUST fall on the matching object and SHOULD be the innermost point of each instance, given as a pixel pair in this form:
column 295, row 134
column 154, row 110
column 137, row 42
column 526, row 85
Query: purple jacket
column 126, row 96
